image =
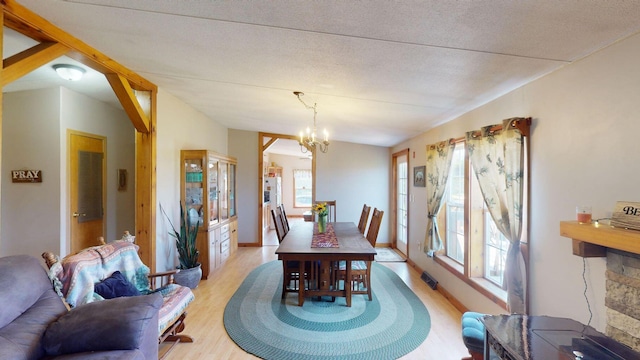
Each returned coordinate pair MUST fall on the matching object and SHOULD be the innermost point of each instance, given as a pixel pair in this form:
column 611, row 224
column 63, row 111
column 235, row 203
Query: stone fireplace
column 622, row 297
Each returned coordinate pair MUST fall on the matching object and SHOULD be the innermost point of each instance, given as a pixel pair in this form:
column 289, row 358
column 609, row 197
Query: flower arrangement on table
column 322, row 210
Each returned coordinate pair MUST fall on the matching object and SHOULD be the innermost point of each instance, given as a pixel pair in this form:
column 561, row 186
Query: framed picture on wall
column 122, row 179
column 418, row 176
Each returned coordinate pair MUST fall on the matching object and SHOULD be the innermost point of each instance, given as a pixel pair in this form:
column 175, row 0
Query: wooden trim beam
column 146, row 200
column 20, row 64
column 261, row 149
column 21, row 19
column 129, row 102
column 266, row 146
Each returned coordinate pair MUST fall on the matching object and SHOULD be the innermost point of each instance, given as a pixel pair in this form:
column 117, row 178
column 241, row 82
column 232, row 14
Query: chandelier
column 308, row 142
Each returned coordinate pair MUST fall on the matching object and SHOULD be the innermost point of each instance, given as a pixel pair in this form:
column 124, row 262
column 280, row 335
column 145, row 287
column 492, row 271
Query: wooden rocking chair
column 75, row 276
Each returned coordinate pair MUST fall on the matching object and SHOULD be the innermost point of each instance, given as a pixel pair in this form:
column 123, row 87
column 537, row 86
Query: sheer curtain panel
column 497, row 156
column 437, row 171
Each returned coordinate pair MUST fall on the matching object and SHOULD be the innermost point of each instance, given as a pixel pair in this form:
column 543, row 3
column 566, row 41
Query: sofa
column 36, row 324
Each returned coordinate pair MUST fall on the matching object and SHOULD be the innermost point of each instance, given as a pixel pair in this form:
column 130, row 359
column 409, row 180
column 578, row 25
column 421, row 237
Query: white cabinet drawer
column 224, row 255
column 224, row 245
column 224, row 236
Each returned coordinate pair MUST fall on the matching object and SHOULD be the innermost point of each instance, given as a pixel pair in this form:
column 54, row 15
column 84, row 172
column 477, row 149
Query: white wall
column 35, row 217
column 180, row 127
column 583, row 151
column 31, row 213
column 243, row 145
column 355, row 174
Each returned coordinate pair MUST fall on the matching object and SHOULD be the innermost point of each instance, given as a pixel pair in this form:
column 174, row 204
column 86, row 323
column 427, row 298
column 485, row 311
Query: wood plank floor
column 204, row 320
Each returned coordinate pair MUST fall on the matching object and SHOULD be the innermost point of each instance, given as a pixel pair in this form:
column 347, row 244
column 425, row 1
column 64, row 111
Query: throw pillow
column 114, row 286
column 116, row 324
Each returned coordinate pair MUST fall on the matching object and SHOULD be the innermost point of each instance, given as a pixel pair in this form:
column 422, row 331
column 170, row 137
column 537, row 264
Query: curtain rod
column 520, row 123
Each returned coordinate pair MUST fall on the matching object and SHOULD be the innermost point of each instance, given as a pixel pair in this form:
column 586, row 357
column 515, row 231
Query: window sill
column 483, row 286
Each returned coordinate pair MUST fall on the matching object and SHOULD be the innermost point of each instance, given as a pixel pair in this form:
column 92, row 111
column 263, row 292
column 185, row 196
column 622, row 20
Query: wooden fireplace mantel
column 592, row 240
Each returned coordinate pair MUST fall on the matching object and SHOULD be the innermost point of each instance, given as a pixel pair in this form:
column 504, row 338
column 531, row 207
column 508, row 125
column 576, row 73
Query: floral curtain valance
column 497, row 158
column 439, row 158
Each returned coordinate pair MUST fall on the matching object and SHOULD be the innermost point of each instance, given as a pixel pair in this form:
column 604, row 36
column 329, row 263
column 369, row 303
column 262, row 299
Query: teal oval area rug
column 393, row 324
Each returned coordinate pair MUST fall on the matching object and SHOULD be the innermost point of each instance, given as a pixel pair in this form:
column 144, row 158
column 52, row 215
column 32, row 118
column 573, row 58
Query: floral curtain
column 497, row 158
column 439, row 158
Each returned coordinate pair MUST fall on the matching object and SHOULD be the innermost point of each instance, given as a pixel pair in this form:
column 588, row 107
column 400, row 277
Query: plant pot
column 189, row 277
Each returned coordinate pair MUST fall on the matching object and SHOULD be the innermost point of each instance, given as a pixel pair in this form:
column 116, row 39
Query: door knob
column 76, row 214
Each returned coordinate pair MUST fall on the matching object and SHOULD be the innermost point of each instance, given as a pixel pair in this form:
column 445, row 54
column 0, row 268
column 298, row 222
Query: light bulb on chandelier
column 308, row 141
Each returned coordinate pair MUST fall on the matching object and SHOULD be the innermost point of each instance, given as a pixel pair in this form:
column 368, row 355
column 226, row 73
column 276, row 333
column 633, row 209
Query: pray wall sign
column 26, row 176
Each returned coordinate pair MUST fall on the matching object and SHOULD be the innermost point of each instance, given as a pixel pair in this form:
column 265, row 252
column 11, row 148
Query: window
column 495, row 249
column 476, row 254
column 454, row 202
column 302, row 186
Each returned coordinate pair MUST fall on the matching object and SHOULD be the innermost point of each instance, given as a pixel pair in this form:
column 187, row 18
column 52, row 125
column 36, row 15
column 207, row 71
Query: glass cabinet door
column 232, row 190
column 224, row 201
column 212, row 183
column 193, row 189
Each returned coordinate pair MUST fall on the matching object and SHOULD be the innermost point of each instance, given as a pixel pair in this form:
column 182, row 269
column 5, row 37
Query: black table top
column 544, row 337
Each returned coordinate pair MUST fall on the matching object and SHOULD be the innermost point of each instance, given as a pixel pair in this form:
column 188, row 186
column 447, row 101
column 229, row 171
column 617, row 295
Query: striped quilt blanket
column 74, row 278
column 77, row 274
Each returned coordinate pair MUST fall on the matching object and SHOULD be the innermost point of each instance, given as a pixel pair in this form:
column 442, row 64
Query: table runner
column 328, row 239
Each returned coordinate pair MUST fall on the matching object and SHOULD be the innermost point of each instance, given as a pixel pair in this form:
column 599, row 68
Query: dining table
column 320, row 254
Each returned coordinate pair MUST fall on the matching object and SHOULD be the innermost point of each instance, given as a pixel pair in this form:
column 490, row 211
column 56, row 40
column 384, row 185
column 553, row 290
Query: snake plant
column 185, row 239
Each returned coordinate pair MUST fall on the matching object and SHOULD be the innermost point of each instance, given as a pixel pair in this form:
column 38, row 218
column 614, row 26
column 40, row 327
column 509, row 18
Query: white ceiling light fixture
column 69, row 72
column 308, row 142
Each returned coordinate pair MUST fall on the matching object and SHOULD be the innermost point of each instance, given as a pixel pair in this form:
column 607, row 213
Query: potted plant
column 190, row 271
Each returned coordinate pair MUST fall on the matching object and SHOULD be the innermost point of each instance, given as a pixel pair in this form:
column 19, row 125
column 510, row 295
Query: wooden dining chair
column 364, row 217
column 291, row 279
column 360, row 281
column 285, row 221
column 277, row 221
column 374, row 226
column 331, row 209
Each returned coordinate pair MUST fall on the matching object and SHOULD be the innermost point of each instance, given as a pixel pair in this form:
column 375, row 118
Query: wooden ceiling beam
column 22, row 63
column 22, row 20
column 129, row 102
column 269, row 143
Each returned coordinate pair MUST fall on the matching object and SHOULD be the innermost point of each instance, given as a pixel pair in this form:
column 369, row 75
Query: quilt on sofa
column 75, row 277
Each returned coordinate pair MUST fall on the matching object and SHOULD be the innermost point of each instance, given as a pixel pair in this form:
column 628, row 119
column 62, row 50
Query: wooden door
column 87, row 195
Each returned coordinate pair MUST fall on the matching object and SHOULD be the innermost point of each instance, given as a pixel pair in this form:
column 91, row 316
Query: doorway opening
column 279, row 155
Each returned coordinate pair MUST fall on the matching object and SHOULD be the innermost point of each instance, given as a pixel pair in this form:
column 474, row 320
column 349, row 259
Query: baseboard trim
column 441, row 289
column 248, row 245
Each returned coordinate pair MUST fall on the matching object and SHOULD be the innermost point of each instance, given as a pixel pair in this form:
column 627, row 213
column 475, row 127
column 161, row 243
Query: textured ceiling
column 380, row 71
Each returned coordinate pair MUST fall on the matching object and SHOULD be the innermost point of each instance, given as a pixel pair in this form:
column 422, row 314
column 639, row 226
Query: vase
column 189, row 277
column 322, row 223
